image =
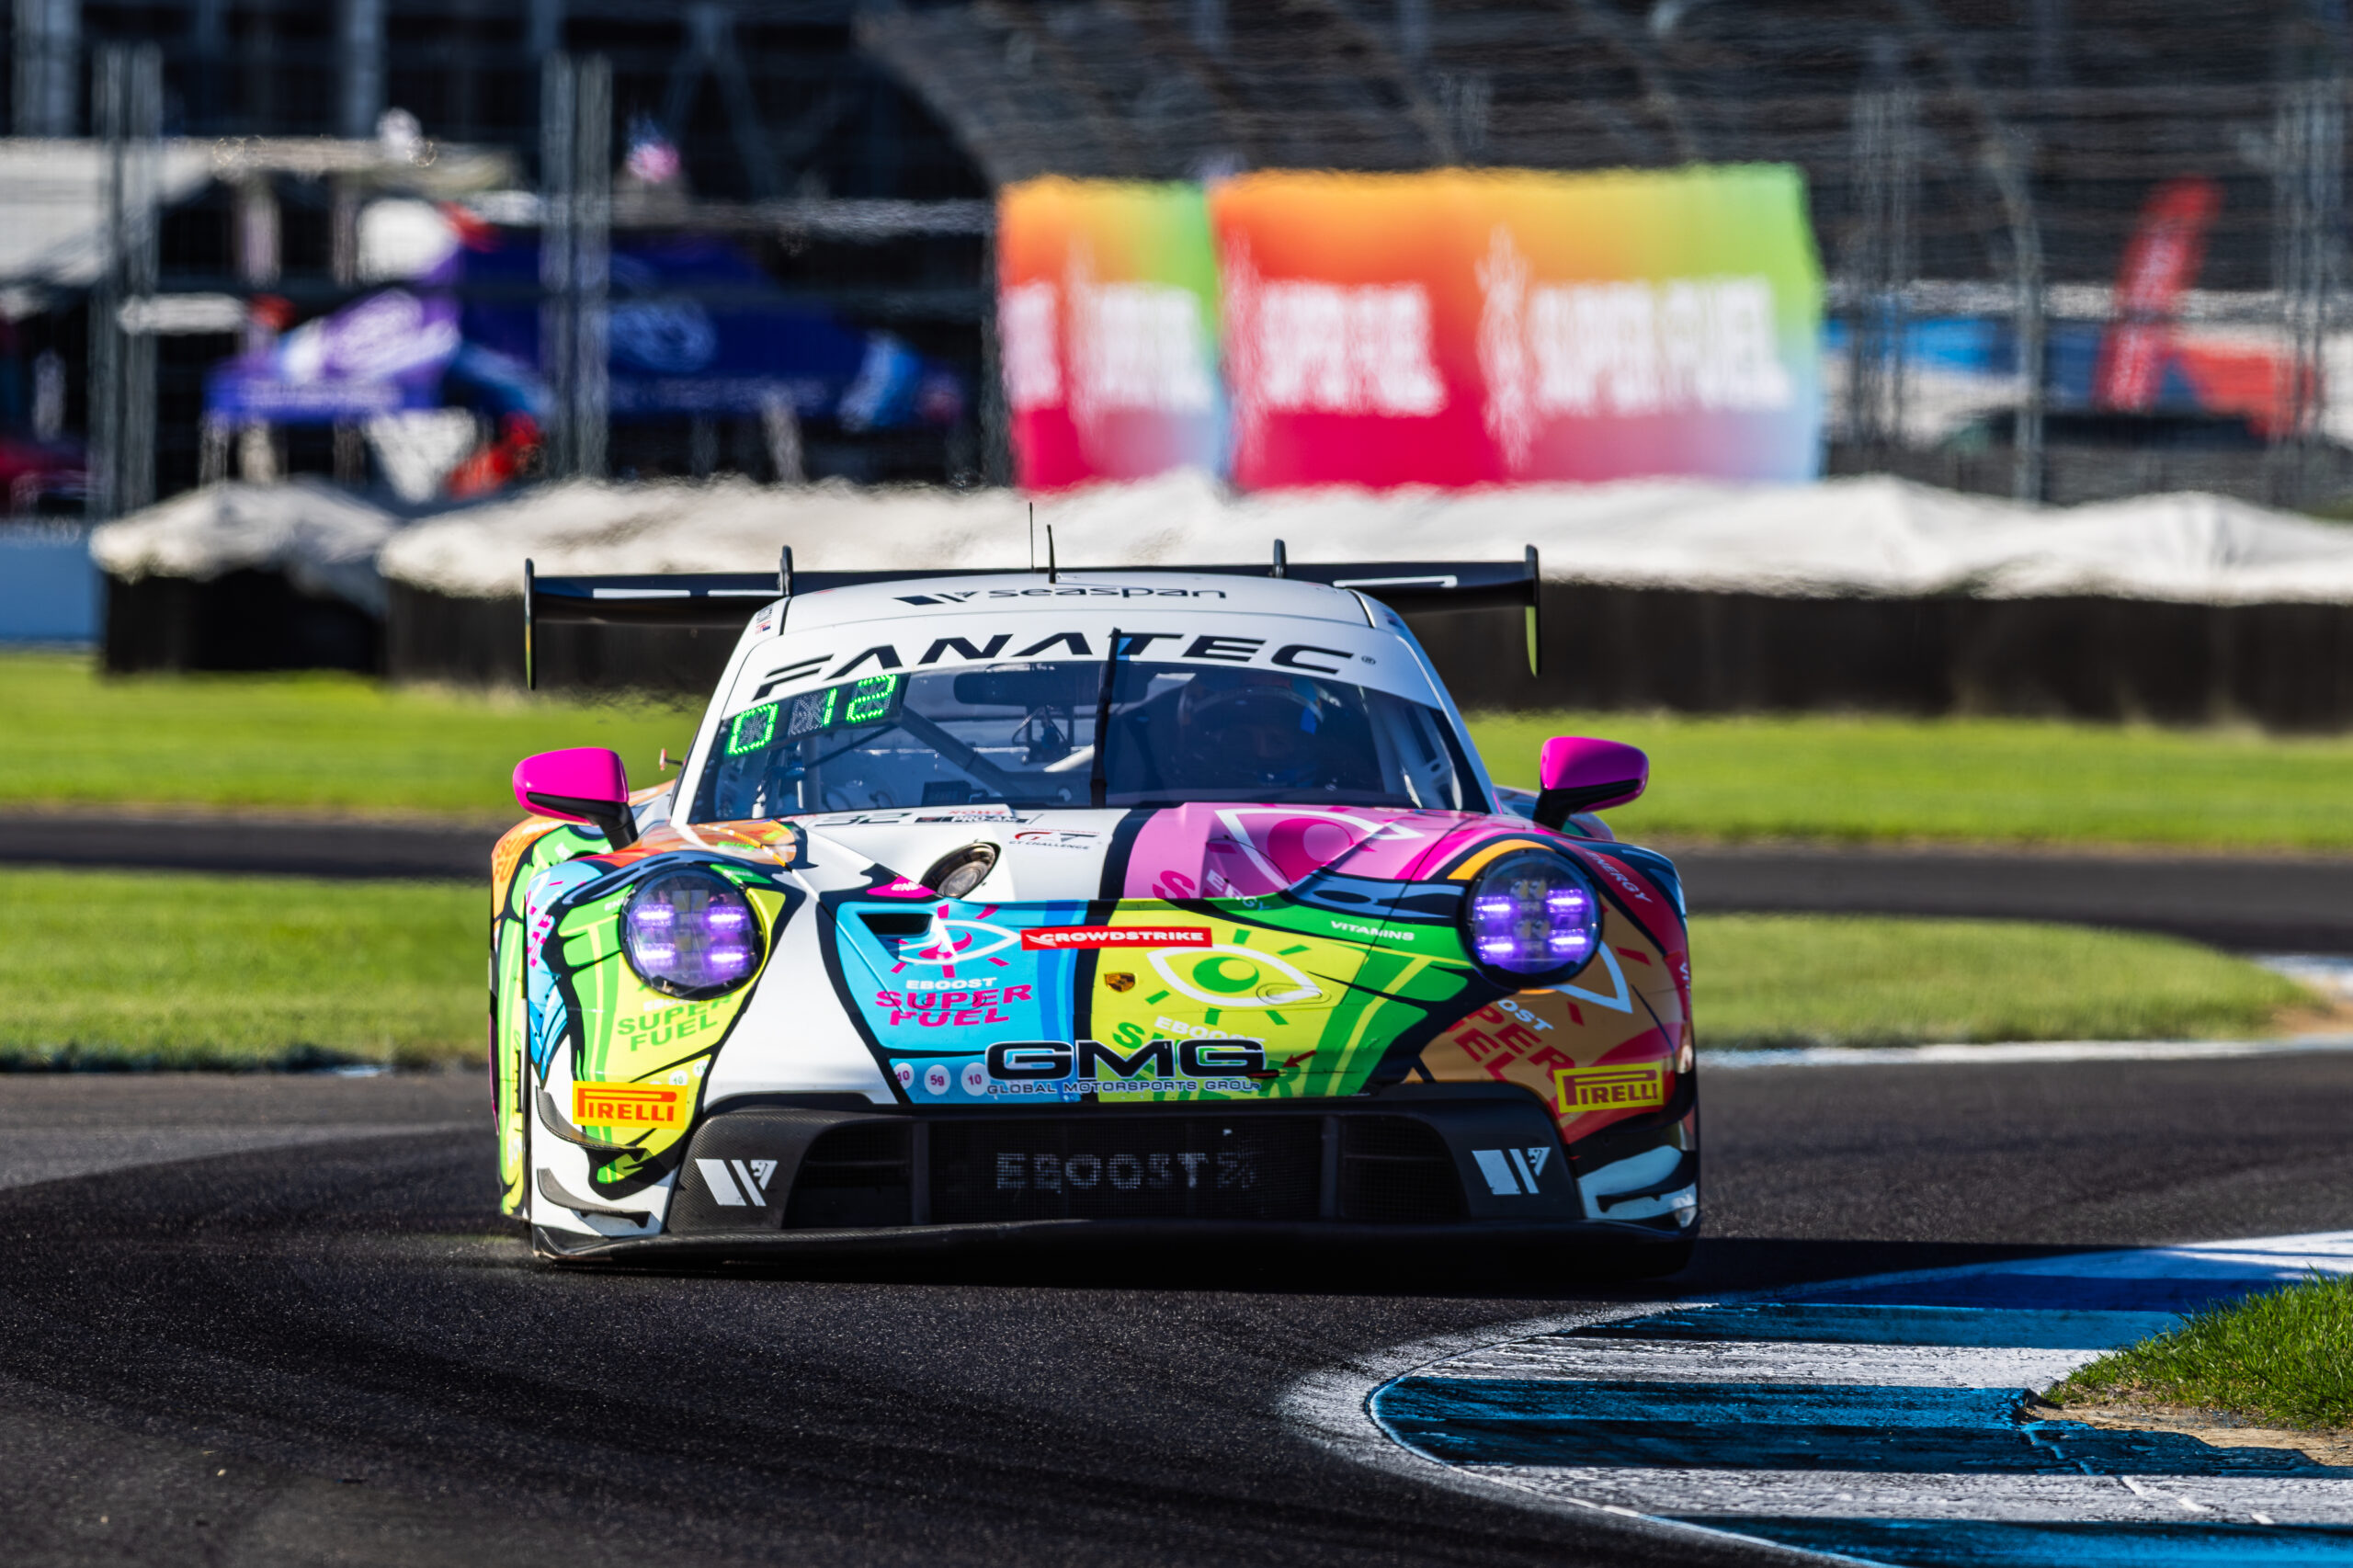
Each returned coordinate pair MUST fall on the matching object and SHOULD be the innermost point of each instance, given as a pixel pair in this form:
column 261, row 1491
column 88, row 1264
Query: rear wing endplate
column 726, row 600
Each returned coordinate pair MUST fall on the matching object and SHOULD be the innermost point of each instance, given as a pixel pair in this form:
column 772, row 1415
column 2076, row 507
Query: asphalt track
column 284, row 1328
column 2256, row 903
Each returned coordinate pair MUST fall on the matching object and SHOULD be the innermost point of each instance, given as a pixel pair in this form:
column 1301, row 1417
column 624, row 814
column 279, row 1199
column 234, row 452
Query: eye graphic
column 1233, row 977
column 941, row 945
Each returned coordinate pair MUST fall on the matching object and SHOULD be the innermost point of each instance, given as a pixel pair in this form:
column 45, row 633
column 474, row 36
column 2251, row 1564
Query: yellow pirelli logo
column 1610, row 1088
column 628, row 1105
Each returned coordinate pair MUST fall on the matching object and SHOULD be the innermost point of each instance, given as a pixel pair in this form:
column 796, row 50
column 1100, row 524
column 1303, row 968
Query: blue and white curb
column 1879, row 1420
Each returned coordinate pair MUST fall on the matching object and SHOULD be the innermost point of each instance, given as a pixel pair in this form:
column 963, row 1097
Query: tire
column 1657, row 1262
column 1611, row 1263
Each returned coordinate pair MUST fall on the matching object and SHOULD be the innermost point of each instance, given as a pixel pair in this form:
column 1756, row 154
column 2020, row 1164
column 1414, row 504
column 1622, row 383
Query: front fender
column 592, row 1027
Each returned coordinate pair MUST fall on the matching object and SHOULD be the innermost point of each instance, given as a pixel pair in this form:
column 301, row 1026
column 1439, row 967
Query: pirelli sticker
column 629, row 1105
column 1584, row 1089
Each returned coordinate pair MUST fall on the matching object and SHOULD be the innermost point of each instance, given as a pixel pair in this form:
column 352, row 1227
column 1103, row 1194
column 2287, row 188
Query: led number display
column 874, row 700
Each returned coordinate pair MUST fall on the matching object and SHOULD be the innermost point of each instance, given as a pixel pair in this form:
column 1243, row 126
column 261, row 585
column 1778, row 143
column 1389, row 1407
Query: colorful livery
column 1068, row 904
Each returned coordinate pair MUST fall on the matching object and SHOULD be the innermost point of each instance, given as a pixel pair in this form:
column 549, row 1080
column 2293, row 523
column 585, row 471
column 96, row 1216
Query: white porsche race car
column 1083, row 904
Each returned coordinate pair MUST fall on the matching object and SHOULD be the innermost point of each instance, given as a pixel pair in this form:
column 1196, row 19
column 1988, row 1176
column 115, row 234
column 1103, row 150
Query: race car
column 990, row 908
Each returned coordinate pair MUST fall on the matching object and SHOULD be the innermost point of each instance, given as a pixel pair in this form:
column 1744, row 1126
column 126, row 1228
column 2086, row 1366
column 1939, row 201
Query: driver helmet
column 1252, row 726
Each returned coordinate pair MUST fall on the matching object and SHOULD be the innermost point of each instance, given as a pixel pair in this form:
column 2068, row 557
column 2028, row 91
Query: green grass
column 140, row 969
column 338, row 744
column 2283, row 1359
column 1776, row 980
column 1984, row 780
column 300, row 743
column 164, row 970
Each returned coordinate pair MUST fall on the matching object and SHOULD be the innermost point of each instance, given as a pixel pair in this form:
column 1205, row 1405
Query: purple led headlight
column 690, row 933
column 1531, row 918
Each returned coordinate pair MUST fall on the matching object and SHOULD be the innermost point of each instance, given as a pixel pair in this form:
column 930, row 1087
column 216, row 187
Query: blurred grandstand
column 1979, row 173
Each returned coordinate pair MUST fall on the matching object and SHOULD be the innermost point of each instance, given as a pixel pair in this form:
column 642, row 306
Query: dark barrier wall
column 2283, row 666
column 239, row 620
column 479, row 642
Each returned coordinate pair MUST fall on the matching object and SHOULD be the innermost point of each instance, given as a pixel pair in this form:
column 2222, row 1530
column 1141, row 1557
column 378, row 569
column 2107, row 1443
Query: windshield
column 1024, row 734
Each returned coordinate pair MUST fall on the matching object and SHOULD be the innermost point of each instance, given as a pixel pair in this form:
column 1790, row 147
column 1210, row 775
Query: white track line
column 1334, row 1408
column 1551, row 1358
column 1833, row 1494
column 2021, row 1052
column 2281, row 1257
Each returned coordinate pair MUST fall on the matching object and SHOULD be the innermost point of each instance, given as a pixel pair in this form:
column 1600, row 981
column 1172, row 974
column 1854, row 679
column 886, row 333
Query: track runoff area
column 1881, row 1420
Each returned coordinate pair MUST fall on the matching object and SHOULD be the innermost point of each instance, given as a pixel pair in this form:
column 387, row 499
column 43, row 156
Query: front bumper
column 1415, row 1164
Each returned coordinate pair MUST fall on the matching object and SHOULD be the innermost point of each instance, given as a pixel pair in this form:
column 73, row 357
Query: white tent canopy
column 54, row 191
column 325, row 539
column 1871, row 536
column 55, row 195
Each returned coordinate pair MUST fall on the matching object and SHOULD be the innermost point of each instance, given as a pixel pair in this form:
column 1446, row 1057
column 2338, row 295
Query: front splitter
column 1064, row 1235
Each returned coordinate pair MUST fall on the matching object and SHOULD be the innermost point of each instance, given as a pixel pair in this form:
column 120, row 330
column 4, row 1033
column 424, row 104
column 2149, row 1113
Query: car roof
column 1014, row 591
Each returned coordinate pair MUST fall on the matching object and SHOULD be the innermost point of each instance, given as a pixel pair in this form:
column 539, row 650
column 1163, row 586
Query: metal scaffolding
column 2309, row 147
column 1979, row 159
column 127, row 101
column 575, row 250
column 1882, row 253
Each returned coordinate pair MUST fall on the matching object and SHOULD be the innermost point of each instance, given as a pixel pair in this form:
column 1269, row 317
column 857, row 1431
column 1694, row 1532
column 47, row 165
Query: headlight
column 690, row 934
column 1530, row 918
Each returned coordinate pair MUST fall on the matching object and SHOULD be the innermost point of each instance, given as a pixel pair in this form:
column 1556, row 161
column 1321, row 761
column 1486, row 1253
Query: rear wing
column 725, row 600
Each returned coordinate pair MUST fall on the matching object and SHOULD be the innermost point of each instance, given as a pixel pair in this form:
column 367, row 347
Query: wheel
column 1657, row 1262
column 1571, row 1264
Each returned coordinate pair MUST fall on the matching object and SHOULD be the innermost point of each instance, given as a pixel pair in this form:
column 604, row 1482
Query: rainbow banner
column 1453, row 328
column 1107, row 322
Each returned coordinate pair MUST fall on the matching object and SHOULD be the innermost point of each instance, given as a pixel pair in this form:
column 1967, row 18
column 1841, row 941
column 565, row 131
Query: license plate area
column 1118, row 1167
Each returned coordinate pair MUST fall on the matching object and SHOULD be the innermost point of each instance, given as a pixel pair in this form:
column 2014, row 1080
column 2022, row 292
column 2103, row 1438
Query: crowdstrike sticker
column 1052, row 938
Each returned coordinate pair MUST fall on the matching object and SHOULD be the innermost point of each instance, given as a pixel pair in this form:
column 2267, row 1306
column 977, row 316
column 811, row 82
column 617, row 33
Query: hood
column 1199, row 850
column 1212, row 951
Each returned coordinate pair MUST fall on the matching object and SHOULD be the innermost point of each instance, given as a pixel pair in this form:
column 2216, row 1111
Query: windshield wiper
column 1099, row 786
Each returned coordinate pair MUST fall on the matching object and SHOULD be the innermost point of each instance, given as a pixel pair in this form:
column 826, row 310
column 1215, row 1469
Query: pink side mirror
column 1578, row 773
column 584, row 784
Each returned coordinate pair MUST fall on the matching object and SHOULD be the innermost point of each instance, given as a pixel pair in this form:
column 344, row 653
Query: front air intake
column 856, row 1175
column 1396, row 1170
